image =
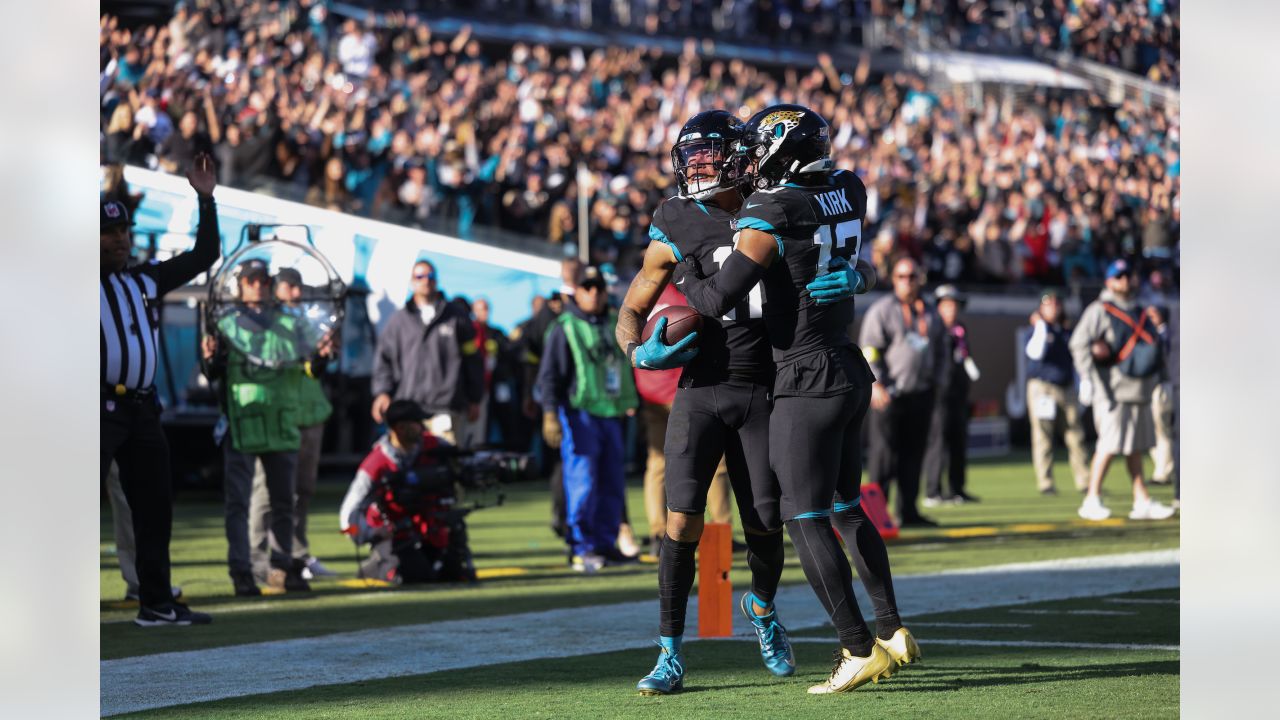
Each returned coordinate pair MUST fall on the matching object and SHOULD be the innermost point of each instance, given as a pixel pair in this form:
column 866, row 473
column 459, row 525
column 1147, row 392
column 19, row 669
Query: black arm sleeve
column 716, row 295
column 178, row 271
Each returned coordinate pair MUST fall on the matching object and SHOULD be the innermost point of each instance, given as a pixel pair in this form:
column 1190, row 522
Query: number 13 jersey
column 812, row 224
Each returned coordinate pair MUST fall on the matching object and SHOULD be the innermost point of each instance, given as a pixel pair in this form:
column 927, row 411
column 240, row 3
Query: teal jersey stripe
column 754, row 223
column 655, row 233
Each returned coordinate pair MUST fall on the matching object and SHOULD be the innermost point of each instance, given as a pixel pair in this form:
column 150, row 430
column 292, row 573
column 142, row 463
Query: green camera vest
column 604, row 387
column 263, row 402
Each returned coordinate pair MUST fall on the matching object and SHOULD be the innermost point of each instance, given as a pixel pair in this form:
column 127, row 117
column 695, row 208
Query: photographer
column 402, row 503
column 262, row 403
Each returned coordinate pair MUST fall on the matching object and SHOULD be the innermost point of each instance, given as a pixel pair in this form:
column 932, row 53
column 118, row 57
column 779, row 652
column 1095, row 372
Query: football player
column 722, row 405
column 803, row 220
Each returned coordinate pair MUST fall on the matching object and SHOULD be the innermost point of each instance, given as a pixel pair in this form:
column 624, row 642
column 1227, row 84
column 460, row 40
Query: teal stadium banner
column 366, row 253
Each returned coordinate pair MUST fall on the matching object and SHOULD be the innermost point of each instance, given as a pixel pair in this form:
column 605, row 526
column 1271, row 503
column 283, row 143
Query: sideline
column 180, row 678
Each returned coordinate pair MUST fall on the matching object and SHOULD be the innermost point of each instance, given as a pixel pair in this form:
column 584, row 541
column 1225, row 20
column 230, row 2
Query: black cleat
column 174, row 613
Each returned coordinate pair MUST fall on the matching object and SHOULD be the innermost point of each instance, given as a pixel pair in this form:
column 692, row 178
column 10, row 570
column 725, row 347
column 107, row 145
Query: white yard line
column 1073, row 612
column 965, row 625
column 180, row 678
column 1018, row 643
column 1141, row 601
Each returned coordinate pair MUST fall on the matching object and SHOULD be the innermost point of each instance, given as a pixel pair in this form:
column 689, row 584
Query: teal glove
column 654, row 355
column 841, row 283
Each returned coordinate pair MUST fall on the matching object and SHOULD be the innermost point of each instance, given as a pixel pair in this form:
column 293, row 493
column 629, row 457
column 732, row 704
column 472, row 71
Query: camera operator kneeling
column 402, row 503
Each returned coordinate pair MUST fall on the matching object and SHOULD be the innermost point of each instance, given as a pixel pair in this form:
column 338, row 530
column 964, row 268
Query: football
column 681, row 321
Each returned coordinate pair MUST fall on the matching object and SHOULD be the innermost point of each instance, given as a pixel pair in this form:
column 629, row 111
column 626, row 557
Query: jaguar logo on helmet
column 775, row 126
column 784, row 142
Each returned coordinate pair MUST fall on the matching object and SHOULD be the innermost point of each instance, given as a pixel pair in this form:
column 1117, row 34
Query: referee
column 129, row 344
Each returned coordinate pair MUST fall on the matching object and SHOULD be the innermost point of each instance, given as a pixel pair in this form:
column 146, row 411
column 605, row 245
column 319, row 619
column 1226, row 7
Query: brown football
column 681, row 321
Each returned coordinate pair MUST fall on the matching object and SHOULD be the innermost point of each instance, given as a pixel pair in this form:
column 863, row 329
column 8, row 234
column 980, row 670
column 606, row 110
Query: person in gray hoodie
column 427, row 353
column 1116, row 348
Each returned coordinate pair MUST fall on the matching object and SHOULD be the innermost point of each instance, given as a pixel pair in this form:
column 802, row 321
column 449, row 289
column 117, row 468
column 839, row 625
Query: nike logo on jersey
column 834, row 202
column 749, row 206
column 681, row 280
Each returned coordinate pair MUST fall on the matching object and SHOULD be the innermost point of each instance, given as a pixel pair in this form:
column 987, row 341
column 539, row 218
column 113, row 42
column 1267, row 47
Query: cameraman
column 402, row 503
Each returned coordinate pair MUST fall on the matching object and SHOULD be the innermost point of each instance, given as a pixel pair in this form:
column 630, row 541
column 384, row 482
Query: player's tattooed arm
column 642, row 295
column 714, row 296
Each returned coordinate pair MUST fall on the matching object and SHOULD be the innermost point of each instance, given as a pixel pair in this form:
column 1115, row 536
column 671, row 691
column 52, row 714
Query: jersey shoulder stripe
column 655, row 233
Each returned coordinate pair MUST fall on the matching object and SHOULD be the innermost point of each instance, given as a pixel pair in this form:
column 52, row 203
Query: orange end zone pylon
column 874, row 506
column 715, row 593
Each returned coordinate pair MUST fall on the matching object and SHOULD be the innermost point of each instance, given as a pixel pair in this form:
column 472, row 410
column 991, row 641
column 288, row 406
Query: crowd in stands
column 390, row 120
column 1138, row 36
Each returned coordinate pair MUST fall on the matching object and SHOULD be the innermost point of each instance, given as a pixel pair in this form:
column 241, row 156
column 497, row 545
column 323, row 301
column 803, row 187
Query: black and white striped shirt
column 129, row 336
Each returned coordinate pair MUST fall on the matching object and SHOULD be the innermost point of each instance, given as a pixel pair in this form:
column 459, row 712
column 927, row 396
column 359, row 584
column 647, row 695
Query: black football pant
column 948, row 446
column 898, row 436
column 729, row 420
column 131, row 435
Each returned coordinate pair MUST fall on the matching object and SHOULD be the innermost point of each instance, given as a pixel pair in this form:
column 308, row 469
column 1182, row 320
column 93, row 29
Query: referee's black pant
column 898, row 437
column 948, row 446
column 131, row 435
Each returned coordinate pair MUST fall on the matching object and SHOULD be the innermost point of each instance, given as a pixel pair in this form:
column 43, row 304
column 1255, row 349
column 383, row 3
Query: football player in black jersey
column 722, row 405
column 803, row 220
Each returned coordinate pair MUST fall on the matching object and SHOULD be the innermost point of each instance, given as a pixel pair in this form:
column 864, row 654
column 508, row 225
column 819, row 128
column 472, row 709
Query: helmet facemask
column 706, row 166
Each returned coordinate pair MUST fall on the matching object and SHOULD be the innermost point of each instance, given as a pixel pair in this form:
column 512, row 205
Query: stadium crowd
column 390, row 120
column 1138, row 36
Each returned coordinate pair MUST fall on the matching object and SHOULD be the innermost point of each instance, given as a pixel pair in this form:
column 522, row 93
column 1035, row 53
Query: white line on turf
column 179, row 678
column 969, row 625
column 1073, row 612
column 1142, row 601
column 1016, row 643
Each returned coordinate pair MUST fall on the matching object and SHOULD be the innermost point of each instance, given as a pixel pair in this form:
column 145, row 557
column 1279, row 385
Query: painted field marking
column 1142, row 601
column 500, row 572
column 1034, row 527
column 969, row 625
column 1072, row 612
column 971, row 532
column 191, row 676
column 1017, row 643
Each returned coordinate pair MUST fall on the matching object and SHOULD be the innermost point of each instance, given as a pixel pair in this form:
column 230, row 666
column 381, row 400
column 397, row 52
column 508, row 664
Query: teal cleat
column 666, row 677
column 775, row 648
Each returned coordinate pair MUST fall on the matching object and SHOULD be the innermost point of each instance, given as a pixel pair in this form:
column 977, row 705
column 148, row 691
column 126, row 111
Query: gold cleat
column 901, row 647
column 852, row 672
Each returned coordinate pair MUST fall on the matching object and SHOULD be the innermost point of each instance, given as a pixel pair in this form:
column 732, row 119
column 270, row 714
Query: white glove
column 1086, row 392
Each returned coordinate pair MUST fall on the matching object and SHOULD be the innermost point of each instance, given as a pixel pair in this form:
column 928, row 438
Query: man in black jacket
column 427, row 353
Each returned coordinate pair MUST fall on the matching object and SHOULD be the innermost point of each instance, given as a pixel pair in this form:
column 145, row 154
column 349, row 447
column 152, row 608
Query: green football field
column 1113, row 654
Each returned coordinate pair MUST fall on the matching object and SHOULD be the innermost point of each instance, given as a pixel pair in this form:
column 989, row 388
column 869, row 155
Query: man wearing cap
column 313, row 410
column 261, row 352
column 427, row 353
column 586, row 388
column 1051, row 400
column 129, row 339
column 949, row 427
column 1116, row 349
column 902, row 338
column 406, row 453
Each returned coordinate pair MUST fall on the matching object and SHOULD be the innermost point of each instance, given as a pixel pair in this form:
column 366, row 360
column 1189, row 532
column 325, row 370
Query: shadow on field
column 953, row 677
